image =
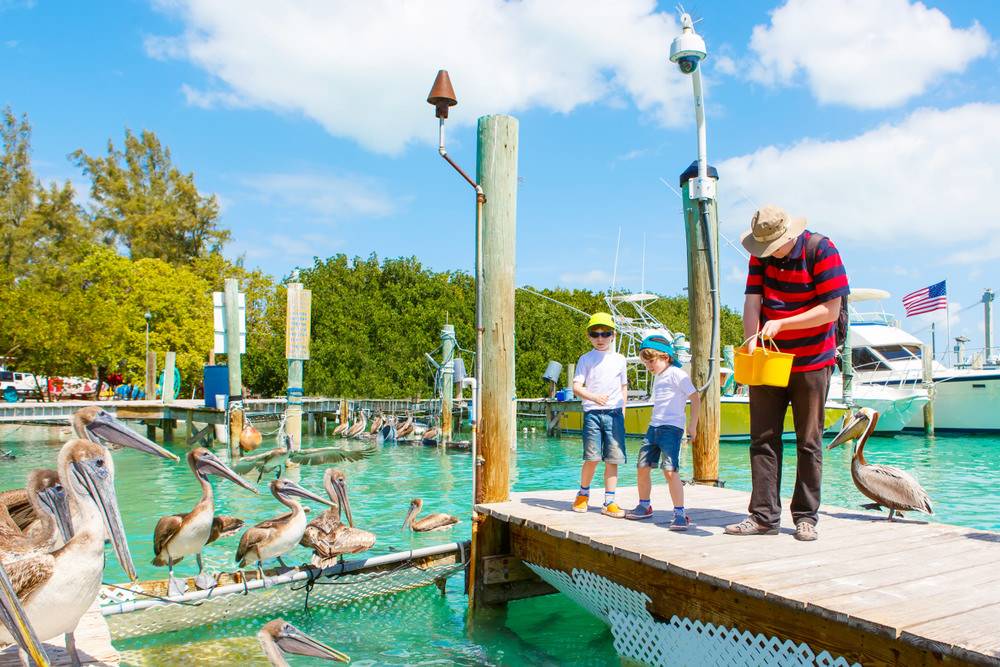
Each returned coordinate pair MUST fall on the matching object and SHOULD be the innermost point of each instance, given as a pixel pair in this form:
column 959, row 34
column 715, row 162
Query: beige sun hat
column 771, row 228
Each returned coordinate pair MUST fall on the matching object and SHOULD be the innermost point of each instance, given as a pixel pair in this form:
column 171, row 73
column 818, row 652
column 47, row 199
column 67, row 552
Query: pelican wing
column 248, row 463
column 28, row 574
column 893, row 488
column 259, row 534
column 327, row 455
column 224, row 526
column 165, row 530
column 18, row 506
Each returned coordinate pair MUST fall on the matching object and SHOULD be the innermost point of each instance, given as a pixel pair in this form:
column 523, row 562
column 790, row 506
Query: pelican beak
column 53, row 499
column 853, row 428
column 291, row 488
column 292, row 640
column 409, row 515
column 93, row 475
column 16, row 621
column 213, row 465
column 106, row 428
column 341, row 489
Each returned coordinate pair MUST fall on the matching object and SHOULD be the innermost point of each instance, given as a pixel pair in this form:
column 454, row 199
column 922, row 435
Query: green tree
column 148, row 206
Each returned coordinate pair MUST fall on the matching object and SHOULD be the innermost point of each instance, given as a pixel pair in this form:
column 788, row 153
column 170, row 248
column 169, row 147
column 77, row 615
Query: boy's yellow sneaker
column 582, row 503
column 613, row 510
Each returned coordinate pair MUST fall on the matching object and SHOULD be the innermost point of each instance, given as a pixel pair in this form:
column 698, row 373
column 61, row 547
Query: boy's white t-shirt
column 602, row 373
column 671, row 389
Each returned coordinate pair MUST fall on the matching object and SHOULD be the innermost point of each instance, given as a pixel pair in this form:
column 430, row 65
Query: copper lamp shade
column 442, row 95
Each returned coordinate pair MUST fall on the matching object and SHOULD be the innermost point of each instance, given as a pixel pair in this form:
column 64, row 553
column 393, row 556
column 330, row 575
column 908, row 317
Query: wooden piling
column 703, row 263
column 447, row 380
column 169, row 389
column 298, row 317
column 150, row 375
column 928, row 363
column 233, row 362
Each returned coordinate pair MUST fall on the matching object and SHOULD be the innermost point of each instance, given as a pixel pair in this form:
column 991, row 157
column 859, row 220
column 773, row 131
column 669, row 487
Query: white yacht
column 887, row 358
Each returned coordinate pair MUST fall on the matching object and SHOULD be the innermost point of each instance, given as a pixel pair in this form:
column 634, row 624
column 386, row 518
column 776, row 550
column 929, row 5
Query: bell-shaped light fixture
column 442, row 95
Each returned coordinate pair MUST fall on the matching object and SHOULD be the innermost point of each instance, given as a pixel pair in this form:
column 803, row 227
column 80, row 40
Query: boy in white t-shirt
column 602, row 383
column 672, row 388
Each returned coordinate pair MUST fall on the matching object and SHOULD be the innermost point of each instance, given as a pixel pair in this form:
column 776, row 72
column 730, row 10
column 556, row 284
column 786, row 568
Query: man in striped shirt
column 794, row 289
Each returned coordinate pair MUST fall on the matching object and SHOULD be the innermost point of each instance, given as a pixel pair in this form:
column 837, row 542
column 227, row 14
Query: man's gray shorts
column 604, row 436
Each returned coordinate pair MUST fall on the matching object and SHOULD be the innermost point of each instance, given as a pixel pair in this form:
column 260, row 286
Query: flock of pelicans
column 53, row 531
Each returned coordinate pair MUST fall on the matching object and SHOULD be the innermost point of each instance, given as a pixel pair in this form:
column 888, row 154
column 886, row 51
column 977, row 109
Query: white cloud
column 868, row 54
column 932, row 178
column 592, row 278
column 326, row 195
column 363, row 69
column 725, row 65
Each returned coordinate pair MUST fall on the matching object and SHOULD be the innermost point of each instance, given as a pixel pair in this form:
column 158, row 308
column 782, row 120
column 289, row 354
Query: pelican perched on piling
column 430, row 522
column 279, row 637
column 326, row 535
column 276, row 537
column 53, row 526
column 888, row 486
column 182, row 535
column 57, row 589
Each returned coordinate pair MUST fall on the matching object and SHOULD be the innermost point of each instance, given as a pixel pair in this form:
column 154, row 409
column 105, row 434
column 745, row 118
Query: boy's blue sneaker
column 640, row 512
column 680, row 522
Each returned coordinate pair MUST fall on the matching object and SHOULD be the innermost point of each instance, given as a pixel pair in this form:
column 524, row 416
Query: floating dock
column 867, row 591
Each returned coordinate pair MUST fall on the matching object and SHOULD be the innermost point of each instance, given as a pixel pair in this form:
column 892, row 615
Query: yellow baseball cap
column 601, row 320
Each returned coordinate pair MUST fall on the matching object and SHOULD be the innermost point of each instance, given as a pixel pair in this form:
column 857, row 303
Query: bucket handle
column 763, row 342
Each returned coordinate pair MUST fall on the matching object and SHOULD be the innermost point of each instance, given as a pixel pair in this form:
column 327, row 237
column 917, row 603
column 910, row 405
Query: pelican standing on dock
column 182, row 535
column 279, row 637
column 430, row 522
column 326, row 535
column 57, row 589
column 888, row 486
column 276, row 537
column 13, row 618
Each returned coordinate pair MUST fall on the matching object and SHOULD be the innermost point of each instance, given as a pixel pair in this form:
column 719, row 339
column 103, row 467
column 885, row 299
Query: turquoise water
column 422, row 626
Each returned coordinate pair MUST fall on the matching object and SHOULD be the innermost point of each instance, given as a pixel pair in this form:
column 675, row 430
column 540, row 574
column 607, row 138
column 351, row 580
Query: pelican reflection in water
column 888, row 486
column 279, row 637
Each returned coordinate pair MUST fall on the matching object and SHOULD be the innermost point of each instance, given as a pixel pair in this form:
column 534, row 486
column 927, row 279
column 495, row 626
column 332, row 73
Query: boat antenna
column 614, row 274
column 642, row 283
column 556, row 301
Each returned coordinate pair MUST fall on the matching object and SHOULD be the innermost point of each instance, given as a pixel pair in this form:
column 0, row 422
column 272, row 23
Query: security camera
column 688, row 49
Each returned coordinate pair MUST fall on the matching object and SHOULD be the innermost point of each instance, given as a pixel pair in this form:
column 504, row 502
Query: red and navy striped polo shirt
column 788, row 289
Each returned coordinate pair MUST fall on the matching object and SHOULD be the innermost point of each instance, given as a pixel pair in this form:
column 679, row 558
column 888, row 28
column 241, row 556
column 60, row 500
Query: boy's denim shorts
column 604, row 436
column 664, row 439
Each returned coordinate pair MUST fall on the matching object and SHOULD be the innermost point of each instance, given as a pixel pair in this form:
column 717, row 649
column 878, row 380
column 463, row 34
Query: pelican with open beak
column 278, row 536
column 56, row 589
column 181, row 535
column 326, row 535
column 279, row 637
column 16, row 622
column 888, row 486
column 430, row 522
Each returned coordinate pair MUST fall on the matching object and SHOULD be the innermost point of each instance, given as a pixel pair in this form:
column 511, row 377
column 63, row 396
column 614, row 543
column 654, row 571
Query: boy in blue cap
column 672, row 388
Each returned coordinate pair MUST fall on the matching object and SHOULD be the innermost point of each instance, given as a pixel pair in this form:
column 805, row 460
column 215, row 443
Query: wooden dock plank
column 964, row 630
column 93, row 643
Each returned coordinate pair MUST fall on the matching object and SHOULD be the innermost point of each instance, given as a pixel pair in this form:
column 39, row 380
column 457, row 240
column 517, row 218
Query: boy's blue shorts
column 604, row 436
column 664, row 439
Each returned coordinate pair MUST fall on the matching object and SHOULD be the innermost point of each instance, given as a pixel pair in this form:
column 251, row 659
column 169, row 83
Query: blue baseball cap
column 660, row 344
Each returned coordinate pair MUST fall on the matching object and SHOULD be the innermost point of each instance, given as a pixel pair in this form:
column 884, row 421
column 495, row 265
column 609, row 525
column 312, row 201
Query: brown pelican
column 326, row 535
column 888, row 486
column 358, row 427
column 57, row 589
column 430, row 436
column 14, row 619
column 250, row 438
column 224, row 526
column 182, row 535
column 328, row 455
column 406, row 428
column 429, row 522
column 376, row 424
column 273, row 459
column 274, row 537
column 345, row 423
column 91, row 423
column 53, row 527
column 279, row 637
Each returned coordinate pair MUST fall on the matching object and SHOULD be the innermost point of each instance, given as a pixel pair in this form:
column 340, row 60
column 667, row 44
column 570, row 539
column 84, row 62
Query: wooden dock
column 93, row 643
column 905, row 593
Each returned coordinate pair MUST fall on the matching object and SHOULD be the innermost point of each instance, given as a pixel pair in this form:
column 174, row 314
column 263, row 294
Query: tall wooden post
column 233, row 361
column 297, row 326
column 151, row 375
column 447, row 379
column 168, row 378
column 496, row 168
column 928, row 360
column 703, row 264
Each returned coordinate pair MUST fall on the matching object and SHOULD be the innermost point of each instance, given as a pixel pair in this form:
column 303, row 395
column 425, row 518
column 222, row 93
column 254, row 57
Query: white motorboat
column 886, row 357
column 896, row 406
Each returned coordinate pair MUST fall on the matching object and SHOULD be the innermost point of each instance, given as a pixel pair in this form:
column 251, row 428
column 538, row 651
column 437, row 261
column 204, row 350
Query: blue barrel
column 216, row 383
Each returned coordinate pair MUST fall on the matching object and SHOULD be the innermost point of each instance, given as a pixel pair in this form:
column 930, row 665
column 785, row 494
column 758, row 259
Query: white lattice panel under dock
column 680, row 642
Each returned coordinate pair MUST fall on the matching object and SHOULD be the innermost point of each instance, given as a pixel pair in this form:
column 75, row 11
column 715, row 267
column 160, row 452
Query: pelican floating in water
column 358, row 427
column 53, row 526
column 328, row 455
column 14, row 619
column 279, row 637
column 436, row 521
column 326, row 535
column 277, row 536
column 888, row 486
column 430, row 436
column 95, row 424
column 57, row 589
column 182, row 535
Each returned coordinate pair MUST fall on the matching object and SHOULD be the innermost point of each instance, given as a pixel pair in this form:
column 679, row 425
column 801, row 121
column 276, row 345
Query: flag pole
column 933, row 342
column 947, row 320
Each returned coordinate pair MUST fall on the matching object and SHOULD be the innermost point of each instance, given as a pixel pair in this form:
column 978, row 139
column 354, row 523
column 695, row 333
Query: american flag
column 926, row 300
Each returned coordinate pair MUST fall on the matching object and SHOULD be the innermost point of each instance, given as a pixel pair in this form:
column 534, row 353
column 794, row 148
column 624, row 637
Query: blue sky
column 309, row 123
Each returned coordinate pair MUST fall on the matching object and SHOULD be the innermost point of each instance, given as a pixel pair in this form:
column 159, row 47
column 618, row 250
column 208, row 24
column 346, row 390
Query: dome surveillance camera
column 688, row 64
column 688, row 49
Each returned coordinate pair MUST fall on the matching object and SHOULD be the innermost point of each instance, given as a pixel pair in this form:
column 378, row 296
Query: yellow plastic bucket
column 764, row 366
